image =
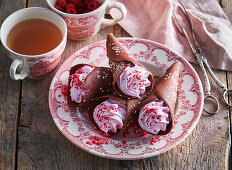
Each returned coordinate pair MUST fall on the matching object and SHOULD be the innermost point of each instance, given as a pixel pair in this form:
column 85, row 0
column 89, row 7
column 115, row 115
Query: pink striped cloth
column 152, row 19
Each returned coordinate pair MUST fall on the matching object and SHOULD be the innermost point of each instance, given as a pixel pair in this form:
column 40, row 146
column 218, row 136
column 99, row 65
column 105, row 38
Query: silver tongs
column 200, row 57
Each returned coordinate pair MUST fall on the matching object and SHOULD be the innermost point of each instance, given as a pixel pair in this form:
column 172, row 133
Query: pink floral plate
column 133, row 143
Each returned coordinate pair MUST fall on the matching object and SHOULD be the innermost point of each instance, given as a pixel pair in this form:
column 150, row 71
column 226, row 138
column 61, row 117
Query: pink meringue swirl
column 133, row 81
column 154, row 117
column 109, row 115
column 77, row 80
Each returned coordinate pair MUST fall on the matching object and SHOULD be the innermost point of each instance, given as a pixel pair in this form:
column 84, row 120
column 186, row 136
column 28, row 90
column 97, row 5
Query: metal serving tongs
column 200, row 57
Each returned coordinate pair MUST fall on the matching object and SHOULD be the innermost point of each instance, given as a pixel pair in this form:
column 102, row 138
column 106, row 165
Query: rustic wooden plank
column 9, row 98
column 229, row 79
column 9, row 102
column 227, row 8
column 42, row 146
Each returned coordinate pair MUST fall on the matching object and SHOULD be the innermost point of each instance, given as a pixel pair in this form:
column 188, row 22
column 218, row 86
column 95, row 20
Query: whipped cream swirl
column 154, row 117
column 77, row 80
column 133, row 81
column 110, row 115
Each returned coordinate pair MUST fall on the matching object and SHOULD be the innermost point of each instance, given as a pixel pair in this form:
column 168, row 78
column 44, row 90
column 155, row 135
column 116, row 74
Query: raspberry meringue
column 154, row 117
column 134, row 80
column 121, row 64
column 110, row 115
column 77, row 80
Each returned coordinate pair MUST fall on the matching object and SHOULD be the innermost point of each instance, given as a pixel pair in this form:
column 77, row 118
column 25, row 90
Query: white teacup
column 85, row 26
column 33, row 66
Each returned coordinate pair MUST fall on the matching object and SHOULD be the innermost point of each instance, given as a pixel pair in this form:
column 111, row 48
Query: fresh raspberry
column 86, row 2
column 71, row 6
column 59, row 8
column 61, row 3
column 153, row 141
column 93, row 5
column 80, row 10
column 124, row 141
column 64, row 90
column 106, row 135
column 71, row 9
column 89, row 143
column 77, row 3
column 92, row 137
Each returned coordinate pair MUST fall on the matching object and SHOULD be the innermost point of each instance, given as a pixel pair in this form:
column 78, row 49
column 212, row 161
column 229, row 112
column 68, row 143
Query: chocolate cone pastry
column 111, row 113
column 86, row 83
column 130, row 78
column 156, row 112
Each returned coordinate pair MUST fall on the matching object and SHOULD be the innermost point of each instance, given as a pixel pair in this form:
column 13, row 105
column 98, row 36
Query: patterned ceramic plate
column 133, row 144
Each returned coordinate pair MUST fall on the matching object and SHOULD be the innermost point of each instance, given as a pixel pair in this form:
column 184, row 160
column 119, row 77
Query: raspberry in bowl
column 84, row 18
column 76, row 6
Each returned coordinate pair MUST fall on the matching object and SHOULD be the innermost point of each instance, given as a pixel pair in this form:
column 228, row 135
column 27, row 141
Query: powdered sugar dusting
column 117, row 67
column 174, row 77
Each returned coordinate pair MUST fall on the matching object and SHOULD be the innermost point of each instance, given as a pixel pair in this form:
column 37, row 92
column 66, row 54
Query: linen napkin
column 152, row 19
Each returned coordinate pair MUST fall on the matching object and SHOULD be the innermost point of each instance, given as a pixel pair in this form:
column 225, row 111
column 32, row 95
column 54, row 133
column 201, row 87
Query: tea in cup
column 34, row 39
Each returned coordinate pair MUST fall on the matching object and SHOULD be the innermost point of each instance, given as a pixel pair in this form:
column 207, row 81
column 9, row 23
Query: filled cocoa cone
column 166, row 90
column 98, row 82
column 119, row 60
column 130, row 110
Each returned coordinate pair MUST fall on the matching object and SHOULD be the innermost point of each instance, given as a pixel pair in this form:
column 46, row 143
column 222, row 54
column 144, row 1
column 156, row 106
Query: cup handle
column 13, row 69
column 108, row 22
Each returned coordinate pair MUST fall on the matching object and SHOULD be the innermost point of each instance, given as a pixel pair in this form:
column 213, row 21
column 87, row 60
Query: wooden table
column 30, row 139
